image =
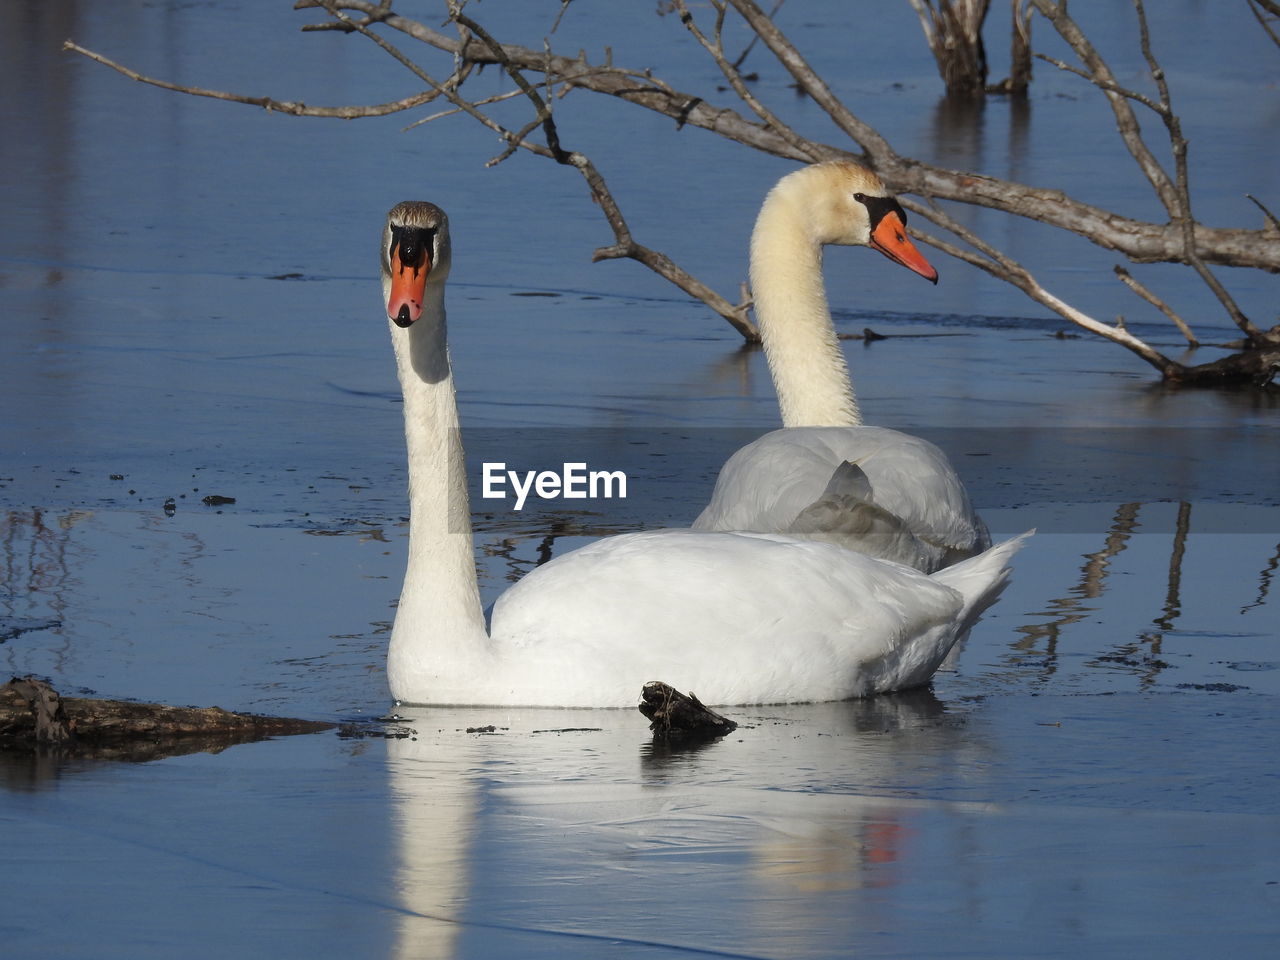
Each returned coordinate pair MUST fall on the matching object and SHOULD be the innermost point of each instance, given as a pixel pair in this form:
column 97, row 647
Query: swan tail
column 981, row 579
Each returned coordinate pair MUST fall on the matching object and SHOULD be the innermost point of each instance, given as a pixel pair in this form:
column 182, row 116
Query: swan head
column 844, row 203
column 415, row 253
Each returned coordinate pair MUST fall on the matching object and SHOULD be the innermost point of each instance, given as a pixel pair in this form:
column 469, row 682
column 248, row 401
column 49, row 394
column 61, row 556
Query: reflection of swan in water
column 539, row 835
column 826, row 476
column 735, row 618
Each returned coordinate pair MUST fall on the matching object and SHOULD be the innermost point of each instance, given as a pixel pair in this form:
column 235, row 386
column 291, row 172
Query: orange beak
column 890, row 238
column 408, row 286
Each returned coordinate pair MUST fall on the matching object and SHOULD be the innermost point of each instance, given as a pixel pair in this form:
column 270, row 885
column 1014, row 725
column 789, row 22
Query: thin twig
column 877, row 147
column 1272, row 222
column 1134, row 284
column 1271, row 7
column 625, row 245
column 1109, row 86
column 742, row 57
column 496, row 98
column 1100, row 74
column 1139, row 241
column 289, row 107
column 716, row 49
column 447, row 90
column 1178, row 142
column 1005, row 268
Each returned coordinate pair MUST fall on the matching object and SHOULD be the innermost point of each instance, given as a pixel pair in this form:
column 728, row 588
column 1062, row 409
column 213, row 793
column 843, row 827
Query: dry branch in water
column 544, row 77
column 673, row 715
column 33, row 715
column 953, row 30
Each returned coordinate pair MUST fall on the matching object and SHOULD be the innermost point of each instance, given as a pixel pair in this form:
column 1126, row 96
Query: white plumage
column 908, row 504
column 735, row 618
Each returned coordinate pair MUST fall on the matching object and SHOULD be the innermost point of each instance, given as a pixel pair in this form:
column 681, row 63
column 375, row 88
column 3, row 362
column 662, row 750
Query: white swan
column 826, row 476
column 735, row 618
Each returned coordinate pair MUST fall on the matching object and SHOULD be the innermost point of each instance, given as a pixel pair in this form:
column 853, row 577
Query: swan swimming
column 735, row 618
column 826, row 476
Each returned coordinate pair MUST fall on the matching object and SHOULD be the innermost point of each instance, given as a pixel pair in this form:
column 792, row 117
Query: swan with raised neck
column 440, row 597
column 837, row 202
column 735, row 618
column 825, row 475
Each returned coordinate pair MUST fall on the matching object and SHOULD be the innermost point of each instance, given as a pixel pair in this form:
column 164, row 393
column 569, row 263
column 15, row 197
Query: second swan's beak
column 410, row 265
column 890, row 238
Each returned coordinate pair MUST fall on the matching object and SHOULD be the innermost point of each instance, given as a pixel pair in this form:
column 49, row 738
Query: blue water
column 1095, row 773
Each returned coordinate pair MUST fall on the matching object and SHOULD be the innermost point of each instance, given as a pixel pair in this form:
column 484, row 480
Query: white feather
column 732, row 617
column 766, row 485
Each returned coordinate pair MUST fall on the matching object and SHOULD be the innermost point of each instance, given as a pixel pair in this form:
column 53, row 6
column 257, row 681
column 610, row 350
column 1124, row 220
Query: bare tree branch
column 953, row 30
column 1174, row 194
column 1273, row 224
column 1141, row 290
column 1180, row 240
column 1020, row 49
column 1138, row 241
column 813, row 85
column 1100, row 74
column 289, row 107
column 730, row 71
column 1173, row 124
column 624, row 245
column 1005, row 268
column 1259, row 7
column 742, row 57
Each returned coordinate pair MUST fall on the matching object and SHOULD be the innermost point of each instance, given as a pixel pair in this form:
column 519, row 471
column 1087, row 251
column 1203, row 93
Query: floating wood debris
column 34, row 715
column 674, row 715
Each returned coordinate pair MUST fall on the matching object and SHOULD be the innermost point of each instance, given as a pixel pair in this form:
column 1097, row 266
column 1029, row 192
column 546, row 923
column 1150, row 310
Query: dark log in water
column 1259, row 367
column 34, row 716
column 674, row 715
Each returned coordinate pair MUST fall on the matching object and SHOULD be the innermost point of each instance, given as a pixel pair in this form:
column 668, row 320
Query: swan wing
column 767, row 484
column 733, row 618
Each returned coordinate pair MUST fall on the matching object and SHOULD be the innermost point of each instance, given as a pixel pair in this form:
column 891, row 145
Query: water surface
column 190, row 306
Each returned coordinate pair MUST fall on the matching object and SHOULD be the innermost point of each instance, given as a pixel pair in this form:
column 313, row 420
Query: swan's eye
column 877, row 207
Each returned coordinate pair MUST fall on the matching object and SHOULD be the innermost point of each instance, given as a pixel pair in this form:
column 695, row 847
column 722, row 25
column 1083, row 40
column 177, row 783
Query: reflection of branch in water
column 1149, row 664
column 506, row 547
column 1264, row 581
column 1093, row 576
column 36, row 576
column 735, row 367
column 545, row 548
column 1172, row 601
column 1095, row 571
column 547, row 529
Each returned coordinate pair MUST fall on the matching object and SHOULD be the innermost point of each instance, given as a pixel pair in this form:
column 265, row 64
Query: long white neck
column 806, row 362
column 439, row 619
